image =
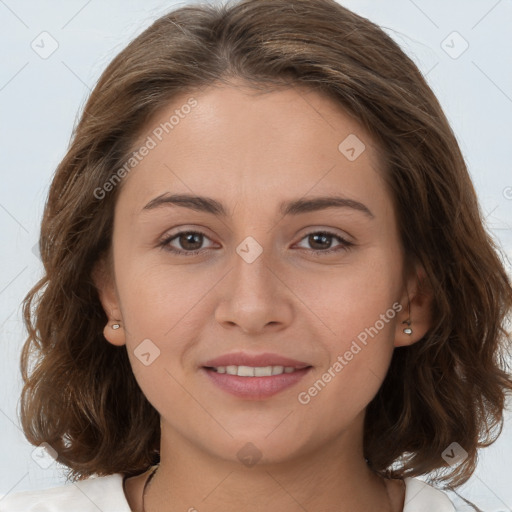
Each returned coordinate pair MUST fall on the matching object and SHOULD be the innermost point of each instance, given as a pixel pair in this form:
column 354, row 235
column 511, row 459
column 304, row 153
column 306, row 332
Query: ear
column 416, row 304
column 103, row 278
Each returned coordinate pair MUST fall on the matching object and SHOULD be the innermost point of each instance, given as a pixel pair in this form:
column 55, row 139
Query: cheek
column 356, row 307
column 157, row 305
column 349, row 298
column 359, row 354
column 158, row 298
column 166, row 305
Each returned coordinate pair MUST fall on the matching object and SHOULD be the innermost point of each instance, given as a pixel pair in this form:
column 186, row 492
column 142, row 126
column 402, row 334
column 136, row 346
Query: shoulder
column 96, row 493
column 421, row 497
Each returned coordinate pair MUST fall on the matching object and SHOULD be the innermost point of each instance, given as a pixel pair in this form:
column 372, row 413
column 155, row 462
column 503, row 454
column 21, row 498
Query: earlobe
column 113, row 331
column 415, row 318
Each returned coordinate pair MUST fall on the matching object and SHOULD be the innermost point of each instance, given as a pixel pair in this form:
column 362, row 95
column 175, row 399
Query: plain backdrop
column 463, row 47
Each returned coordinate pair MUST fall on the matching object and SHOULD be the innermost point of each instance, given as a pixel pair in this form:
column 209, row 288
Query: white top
column 106, row 493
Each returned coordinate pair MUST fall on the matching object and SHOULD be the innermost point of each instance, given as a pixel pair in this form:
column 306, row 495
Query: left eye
column 190, row 242
column 324, row 238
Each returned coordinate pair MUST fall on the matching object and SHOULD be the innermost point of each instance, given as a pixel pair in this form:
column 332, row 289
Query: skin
column 250, row 152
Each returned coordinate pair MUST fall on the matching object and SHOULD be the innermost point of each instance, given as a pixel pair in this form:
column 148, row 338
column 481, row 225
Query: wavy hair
column 79, row 393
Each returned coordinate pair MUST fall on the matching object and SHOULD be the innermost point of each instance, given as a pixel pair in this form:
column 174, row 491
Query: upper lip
column 256, row 360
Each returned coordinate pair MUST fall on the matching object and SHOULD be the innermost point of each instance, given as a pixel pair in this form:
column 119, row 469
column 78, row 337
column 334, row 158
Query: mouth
column 254, row 383
column 255, row 371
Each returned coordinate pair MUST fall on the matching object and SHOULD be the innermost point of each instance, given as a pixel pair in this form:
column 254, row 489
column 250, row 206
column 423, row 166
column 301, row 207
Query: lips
column 254, row 388
column 255, row 360
column 285, row 373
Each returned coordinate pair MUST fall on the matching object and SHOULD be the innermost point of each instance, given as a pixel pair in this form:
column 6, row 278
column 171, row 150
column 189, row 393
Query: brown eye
column 190, row 241
column 187, row 243
column 321, row 242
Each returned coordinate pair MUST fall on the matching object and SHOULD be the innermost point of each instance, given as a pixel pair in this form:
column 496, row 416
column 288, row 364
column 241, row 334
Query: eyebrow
column 295, row 207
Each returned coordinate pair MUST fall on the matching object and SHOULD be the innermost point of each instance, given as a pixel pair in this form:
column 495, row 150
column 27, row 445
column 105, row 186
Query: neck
column 332, row 477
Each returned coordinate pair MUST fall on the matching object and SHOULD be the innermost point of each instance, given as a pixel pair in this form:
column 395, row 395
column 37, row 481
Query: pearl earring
column 115, row 326
column 408, row 330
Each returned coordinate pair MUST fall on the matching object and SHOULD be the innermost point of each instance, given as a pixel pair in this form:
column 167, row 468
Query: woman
column 268, row 285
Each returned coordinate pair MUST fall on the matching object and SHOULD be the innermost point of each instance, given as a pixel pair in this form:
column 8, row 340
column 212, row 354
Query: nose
column 254, row 297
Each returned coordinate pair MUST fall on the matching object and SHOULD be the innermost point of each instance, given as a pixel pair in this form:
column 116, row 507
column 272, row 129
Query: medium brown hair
column 80, row 395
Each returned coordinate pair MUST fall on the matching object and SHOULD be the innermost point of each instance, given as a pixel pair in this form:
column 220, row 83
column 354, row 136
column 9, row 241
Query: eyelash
column 346, row 245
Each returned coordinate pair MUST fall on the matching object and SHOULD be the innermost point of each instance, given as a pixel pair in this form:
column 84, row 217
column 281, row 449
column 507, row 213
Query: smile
column 254, row 371
column 254, row 383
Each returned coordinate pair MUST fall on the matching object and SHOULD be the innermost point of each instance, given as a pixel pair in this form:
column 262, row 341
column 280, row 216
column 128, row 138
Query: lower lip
column 255, row 388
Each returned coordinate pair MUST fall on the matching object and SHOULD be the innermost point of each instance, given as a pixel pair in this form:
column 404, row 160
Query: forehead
column 241, row 145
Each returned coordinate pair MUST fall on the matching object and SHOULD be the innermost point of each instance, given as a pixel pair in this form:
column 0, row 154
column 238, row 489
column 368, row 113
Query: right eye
column 189, row 242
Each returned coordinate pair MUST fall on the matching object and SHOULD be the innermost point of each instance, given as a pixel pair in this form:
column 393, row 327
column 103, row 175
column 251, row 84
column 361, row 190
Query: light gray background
column 40, row 99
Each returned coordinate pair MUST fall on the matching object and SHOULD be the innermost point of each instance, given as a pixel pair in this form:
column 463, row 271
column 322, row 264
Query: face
column 259, row 265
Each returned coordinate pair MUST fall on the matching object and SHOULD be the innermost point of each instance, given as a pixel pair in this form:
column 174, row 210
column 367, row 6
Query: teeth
column 251, row 371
